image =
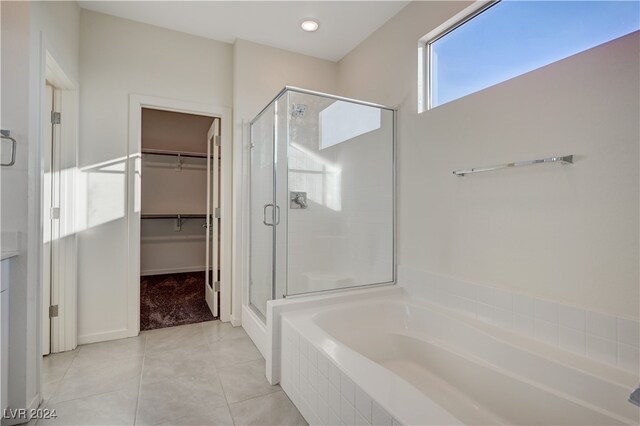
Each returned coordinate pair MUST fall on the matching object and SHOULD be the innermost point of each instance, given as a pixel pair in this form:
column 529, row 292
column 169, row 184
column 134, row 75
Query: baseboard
column 255, row 328
column 33, row 405
column 172, row 270
column 235, row 321
column 104, row 336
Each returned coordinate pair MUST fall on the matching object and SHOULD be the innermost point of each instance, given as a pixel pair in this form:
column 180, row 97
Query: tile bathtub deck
column 198, row 374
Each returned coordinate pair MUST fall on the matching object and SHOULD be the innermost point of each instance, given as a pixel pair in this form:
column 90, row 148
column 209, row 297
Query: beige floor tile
column 186, row 337
column 175, row 363
column 273, row 409
column 221, row 331
column 244, row 381
column 180, row 397
column 55, row 366
column 218, row 416
column 113, row 408
column 234, row 351
column 49, row 388
column 80, row 382
column 89, row 355
column 185, row 375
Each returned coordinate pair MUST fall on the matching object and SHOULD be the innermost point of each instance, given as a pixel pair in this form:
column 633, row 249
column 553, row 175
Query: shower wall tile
column 523, row 324
column 628, row 332
column 601, row 349
column 602, row 325
column 605, row 338
column 571, row 317
column 629, row 357
column 546, row 311
column 523, row 305
column 546, row 331
column 572, row 340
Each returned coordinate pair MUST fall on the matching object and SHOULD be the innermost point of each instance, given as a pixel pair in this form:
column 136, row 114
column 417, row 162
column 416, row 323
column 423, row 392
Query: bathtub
column 396, row 360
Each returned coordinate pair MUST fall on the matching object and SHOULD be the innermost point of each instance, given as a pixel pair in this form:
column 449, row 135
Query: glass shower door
column 340, row 216
column 263, row 212
column 322, row 196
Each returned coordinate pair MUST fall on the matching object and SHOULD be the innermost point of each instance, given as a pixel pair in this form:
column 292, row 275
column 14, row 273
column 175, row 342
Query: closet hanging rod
column 173, row 216
column 174, row 153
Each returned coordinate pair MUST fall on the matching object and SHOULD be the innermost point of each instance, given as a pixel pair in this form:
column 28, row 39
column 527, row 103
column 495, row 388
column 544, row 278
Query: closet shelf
column 174, row 153
column 173, row 216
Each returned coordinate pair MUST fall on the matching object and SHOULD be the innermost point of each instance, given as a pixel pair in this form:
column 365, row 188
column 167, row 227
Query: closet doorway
column 181, row 163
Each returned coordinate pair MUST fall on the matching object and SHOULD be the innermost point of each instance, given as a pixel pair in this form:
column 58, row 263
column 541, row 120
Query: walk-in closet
column 180, row 204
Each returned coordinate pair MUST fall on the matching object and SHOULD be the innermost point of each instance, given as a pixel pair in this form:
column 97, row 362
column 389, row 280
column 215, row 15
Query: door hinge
column 216, row 212
column 216, row 140
column 55, row 117
column 53, row 311
column 216, row 286
column 55, row 212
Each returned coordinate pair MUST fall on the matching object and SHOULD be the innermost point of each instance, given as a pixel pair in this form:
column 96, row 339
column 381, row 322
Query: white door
column 212, row 280
column 50, row 216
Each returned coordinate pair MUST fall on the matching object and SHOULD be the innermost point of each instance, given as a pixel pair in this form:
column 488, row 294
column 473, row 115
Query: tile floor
column 199, row 374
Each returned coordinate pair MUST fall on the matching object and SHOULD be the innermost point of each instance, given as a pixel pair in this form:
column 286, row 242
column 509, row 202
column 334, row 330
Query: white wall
column 569, row 234
column 169, row 190
column 260, row 72
column 173, row 185
column 24, row 27
column 119, row 58
column 15, row 184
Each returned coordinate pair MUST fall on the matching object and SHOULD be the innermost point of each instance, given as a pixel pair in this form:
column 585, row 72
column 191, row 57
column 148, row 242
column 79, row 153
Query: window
column 505, row 39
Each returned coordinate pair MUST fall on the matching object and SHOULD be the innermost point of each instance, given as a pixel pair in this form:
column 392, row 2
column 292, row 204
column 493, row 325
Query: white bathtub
column 394, row 360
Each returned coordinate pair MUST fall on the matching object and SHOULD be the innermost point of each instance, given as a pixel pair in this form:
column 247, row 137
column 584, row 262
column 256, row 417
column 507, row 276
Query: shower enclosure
column 322, row 213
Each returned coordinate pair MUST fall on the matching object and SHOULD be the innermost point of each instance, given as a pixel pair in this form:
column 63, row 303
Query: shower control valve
column 298, row 200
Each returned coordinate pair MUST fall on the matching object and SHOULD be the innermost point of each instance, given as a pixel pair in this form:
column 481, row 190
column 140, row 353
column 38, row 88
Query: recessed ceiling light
column 309, row 25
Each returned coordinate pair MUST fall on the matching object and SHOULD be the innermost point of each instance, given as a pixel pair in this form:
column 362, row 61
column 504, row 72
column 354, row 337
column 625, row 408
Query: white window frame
column 425, row 83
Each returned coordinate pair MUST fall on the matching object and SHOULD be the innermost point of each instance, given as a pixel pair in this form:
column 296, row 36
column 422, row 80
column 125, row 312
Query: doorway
column 58, row 155
column 50, row 213
column 180, row 218
column 134, row 209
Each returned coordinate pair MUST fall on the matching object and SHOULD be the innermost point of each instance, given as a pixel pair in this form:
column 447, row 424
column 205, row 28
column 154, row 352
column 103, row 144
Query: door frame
column 133, row 198
column 213, row 231
column 63, row 280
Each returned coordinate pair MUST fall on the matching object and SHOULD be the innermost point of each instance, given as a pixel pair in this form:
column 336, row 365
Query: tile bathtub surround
column 323, row 393
column 601, row 337
column 199, row 374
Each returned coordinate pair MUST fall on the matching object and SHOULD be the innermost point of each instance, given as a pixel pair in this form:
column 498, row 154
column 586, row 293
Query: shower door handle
column 264, row 215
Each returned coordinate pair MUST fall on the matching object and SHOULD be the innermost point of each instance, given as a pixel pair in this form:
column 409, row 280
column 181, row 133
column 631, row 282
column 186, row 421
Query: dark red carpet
column 172, row 299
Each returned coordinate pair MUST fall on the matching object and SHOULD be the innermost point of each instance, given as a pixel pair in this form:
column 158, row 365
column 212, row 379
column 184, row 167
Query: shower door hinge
column 216, row 286
column 53, row 311
column 216, row 212
column 216, row 140
column 55, row 117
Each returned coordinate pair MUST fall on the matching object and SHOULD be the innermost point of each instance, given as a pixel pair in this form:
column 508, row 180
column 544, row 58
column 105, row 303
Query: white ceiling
column 343, row 24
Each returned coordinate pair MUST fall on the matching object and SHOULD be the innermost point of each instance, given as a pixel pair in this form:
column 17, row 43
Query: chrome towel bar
column 566, row 159
column 6, row 134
